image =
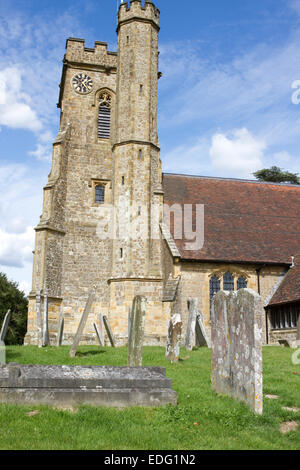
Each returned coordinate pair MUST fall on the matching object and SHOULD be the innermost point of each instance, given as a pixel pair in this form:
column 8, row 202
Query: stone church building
column 105, row 217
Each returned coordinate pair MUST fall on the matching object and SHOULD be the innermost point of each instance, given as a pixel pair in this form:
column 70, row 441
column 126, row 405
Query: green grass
column 222, row 423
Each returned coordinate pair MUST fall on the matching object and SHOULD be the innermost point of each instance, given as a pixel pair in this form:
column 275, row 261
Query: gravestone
column 5, row 325
column 101, row 328
column 64, row 385
column 129, row 321
column 236, row 336
column 2, row 353
column 136, row 336
column 109, row 331
column 202, row 338
column 173, row 339
column 190, row 339
column 46, row 340
column 39, row 319
column 98, row 334
column 60, row 331
column 83, row 321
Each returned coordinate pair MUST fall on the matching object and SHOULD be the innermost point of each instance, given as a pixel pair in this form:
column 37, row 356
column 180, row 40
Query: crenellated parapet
column 136, row 11
column 77, row 52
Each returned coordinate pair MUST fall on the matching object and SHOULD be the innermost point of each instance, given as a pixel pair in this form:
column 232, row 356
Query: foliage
column 15, row 300
column 202, row 420
column 277, row 175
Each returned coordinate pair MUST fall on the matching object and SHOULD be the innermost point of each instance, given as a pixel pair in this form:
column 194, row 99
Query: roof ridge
column 241, row 180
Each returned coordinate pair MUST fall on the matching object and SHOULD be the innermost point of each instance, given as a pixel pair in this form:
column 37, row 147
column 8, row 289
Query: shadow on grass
column 89, row 353
column 12, row 355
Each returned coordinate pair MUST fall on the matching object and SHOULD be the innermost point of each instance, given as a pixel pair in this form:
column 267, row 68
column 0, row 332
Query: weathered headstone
column 100, row 328
column 60, row 331
column 109, row 331
column 190, row 339
column 82, row 323
column 173, row 340
column 129, row 321
column 236, row 336
column 2, row 353
column 46, row 340
column 98, row 334
column 202, row 338
column 39, row 319
column 136, row 337
column 5, row 325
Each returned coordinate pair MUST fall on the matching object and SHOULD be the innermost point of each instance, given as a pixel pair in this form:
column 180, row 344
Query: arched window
column 99, row 194
column 228, row 282
column 242, row 283
column 214, row 286
column 104, row 116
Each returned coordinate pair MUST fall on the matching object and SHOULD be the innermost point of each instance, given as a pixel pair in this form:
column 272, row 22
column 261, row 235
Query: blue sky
column 227, row 105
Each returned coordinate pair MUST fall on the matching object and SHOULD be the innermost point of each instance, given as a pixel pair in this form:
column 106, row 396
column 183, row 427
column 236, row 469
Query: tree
column 277, row 175
column 15, row 300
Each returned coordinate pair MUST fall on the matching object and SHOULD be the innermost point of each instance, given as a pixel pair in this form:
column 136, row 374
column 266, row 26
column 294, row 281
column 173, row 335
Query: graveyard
column 198, row 392
column 202, row 419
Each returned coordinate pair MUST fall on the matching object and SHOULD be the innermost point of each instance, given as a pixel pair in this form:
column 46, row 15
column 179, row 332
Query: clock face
column 82, row 83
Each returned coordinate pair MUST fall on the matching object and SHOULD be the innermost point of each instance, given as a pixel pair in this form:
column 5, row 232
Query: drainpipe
column 258, row 290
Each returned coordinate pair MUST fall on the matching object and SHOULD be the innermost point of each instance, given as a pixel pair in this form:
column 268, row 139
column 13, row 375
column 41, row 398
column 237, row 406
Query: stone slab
column 91, row 385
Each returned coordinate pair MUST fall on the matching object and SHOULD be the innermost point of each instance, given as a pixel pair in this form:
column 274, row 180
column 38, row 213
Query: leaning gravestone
column 82, row 323
column 236, row 336
column 60, row 331
column 2, row 353
column 202, row 338
column 190, row 339
column 5, row 326
column 136, row 337
column 173, row 340
column 109, row 331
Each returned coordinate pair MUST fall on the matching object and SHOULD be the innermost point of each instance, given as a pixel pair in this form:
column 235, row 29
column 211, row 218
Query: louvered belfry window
column 104, row 116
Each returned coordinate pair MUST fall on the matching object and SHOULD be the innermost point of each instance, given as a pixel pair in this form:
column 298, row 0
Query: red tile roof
column 244, row 221
column 289, row 289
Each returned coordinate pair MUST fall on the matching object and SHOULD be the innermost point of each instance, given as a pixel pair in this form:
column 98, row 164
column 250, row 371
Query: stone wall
column 195, row 278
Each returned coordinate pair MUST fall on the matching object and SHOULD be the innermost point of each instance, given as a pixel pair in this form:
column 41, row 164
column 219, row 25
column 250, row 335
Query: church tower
column 103, row 201
column 137, row 192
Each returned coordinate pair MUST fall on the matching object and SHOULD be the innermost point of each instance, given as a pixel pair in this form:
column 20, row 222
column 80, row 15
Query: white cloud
column 16, row 249
column 42, row 152
column 15, row 111
column 25, row 287
column 237, row 153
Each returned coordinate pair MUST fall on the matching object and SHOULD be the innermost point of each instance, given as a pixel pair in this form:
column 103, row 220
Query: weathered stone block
column 237, row 346
column 89, row 385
